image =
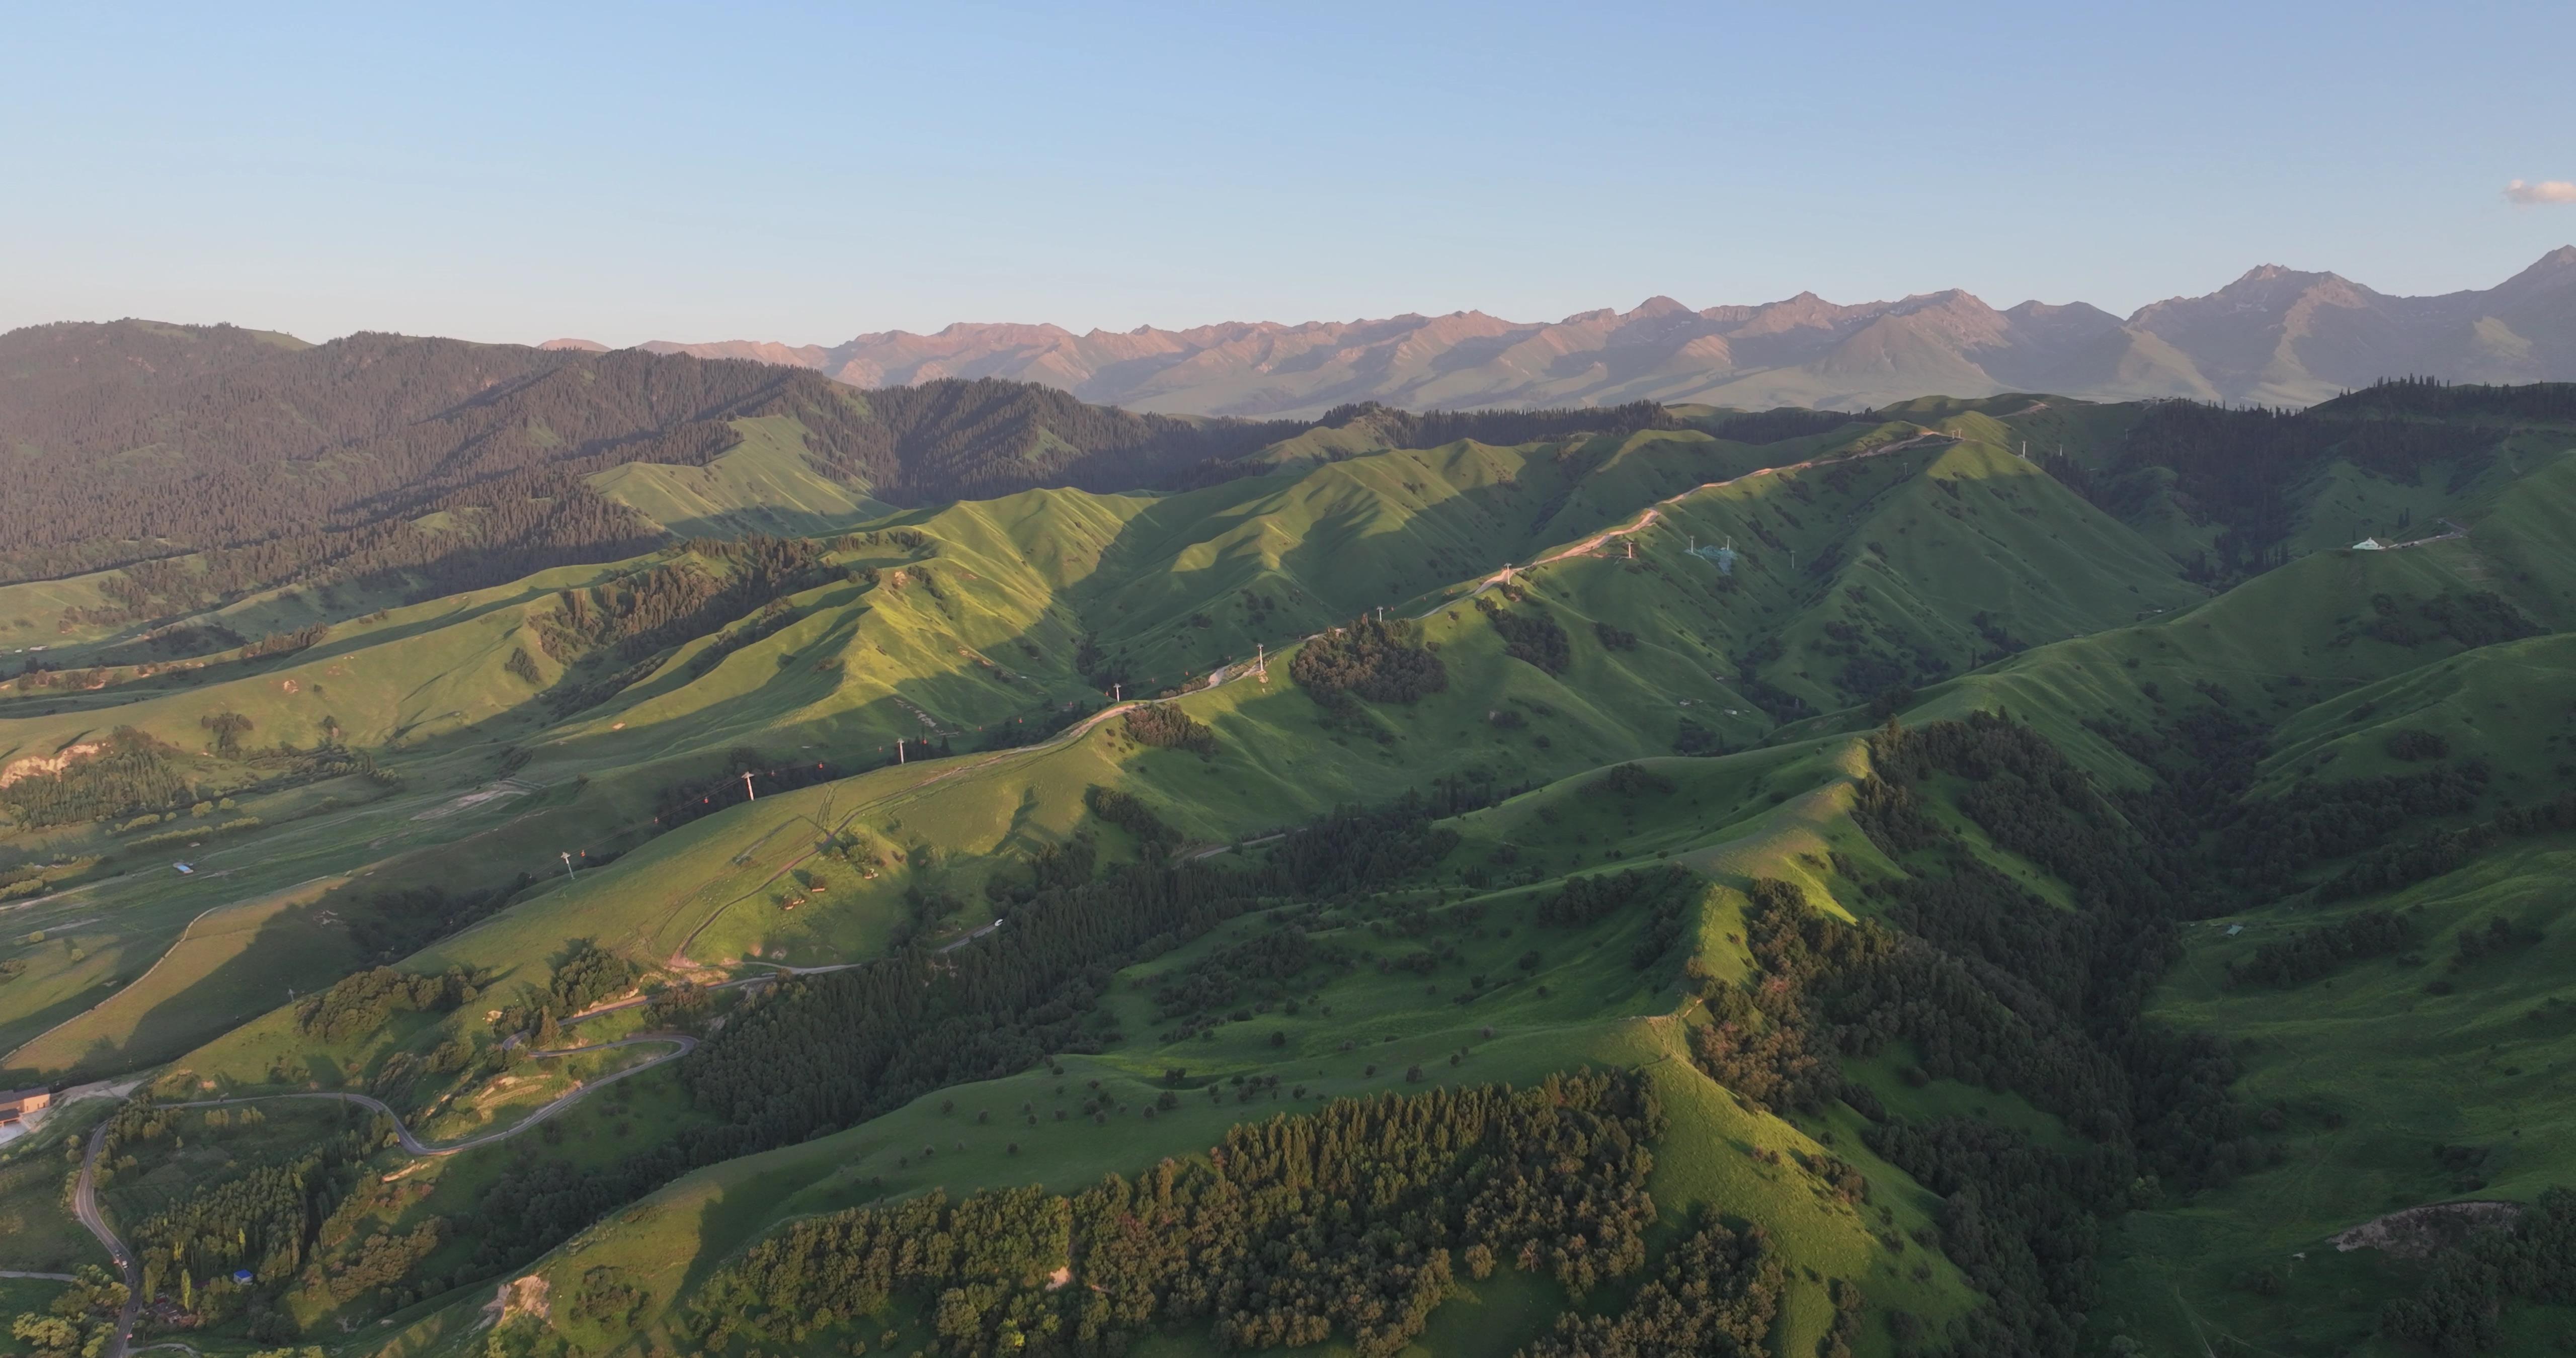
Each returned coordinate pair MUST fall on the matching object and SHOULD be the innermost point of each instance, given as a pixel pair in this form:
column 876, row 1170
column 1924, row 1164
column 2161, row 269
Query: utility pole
column 567, row 858
column 747, row 794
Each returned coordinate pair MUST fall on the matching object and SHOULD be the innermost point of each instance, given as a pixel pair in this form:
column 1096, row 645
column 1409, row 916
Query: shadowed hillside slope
column 1890, row 893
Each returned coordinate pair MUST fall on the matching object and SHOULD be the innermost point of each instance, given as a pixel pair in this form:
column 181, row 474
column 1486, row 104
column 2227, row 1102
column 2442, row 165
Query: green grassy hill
column 2153, row 941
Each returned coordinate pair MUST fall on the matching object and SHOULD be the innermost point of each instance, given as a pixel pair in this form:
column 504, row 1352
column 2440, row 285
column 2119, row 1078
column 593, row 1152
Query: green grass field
column 1915, row 562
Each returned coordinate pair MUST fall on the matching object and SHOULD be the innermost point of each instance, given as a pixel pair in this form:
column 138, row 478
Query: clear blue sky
column 806, row 173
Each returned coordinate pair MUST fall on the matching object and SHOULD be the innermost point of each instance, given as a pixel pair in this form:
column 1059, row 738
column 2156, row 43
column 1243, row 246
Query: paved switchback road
column 85, row 1194
column 683, row 1044
column 85, row 1206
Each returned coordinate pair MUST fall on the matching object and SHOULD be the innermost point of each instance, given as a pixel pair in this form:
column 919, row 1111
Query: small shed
column 17, row 1104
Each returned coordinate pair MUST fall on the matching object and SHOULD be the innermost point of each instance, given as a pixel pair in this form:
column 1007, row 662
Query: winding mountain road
column 85, row 1206
column 684, row 1043
column 85, row 1193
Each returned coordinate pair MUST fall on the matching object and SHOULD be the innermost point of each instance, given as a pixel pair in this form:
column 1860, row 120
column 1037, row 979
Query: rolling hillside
column 1762, row 884
column 209, row 463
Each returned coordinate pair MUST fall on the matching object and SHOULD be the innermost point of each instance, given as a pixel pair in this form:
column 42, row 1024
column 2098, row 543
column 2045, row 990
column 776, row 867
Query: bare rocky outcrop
column 2419, row 1232
column 45, row 766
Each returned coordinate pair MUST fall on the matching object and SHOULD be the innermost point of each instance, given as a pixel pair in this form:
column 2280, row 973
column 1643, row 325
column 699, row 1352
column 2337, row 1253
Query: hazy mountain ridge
column 2275, row 336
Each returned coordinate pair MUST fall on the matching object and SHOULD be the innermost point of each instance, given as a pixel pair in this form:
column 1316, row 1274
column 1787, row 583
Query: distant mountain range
column 2276, row 336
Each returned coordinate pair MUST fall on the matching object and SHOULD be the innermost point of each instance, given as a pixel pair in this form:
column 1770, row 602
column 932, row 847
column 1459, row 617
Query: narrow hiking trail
column 85, row 1193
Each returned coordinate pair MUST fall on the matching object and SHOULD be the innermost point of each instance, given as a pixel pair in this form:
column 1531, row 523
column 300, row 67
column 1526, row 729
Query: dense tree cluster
column 1715, row 1297
column 361, row 1003
column 683, row 802
column 1384, row 662
column 2022, row 1221
column 819, row 1053
column 1532, row 636
column 131, row 773
column 959, row 439
column 288, row 643
column 2311, row 953
column 1584, row 900
column 266, row 1218
column 1432, row 428
column 77, row 1323
column 1348, row 1221
column 2415, row 745
column 2236, row 467
column 827, row 1051
column 1779, row 424
column 1991, row 986
column 1154, row 836
column 1779, row 703
column 2500, row 935
column 2470, row 401
column 2270, row 843
column 686, row 596
column 2459, row 1308
column 437, row 465
column 2034, row 801
column 2440, row 851
column 1166, row 726
column 1353, row 849
column 587, row 974
column 1691, row 738
column 1254, row 970
column 2472, row 619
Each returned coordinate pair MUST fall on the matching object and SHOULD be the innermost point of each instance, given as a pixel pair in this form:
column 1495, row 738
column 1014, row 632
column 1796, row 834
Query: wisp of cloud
column 2522, row 194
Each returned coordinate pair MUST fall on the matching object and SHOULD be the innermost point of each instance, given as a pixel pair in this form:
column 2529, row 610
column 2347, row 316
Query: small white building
column 2370, row 545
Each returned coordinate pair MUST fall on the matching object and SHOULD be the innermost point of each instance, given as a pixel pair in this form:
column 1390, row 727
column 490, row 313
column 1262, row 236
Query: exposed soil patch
column 2419, row 1232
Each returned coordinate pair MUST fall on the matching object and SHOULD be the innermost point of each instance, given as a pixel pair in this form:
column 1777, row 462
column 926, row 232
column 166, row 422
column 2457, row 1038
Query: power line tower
column 567, row 858
column 747, row 794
